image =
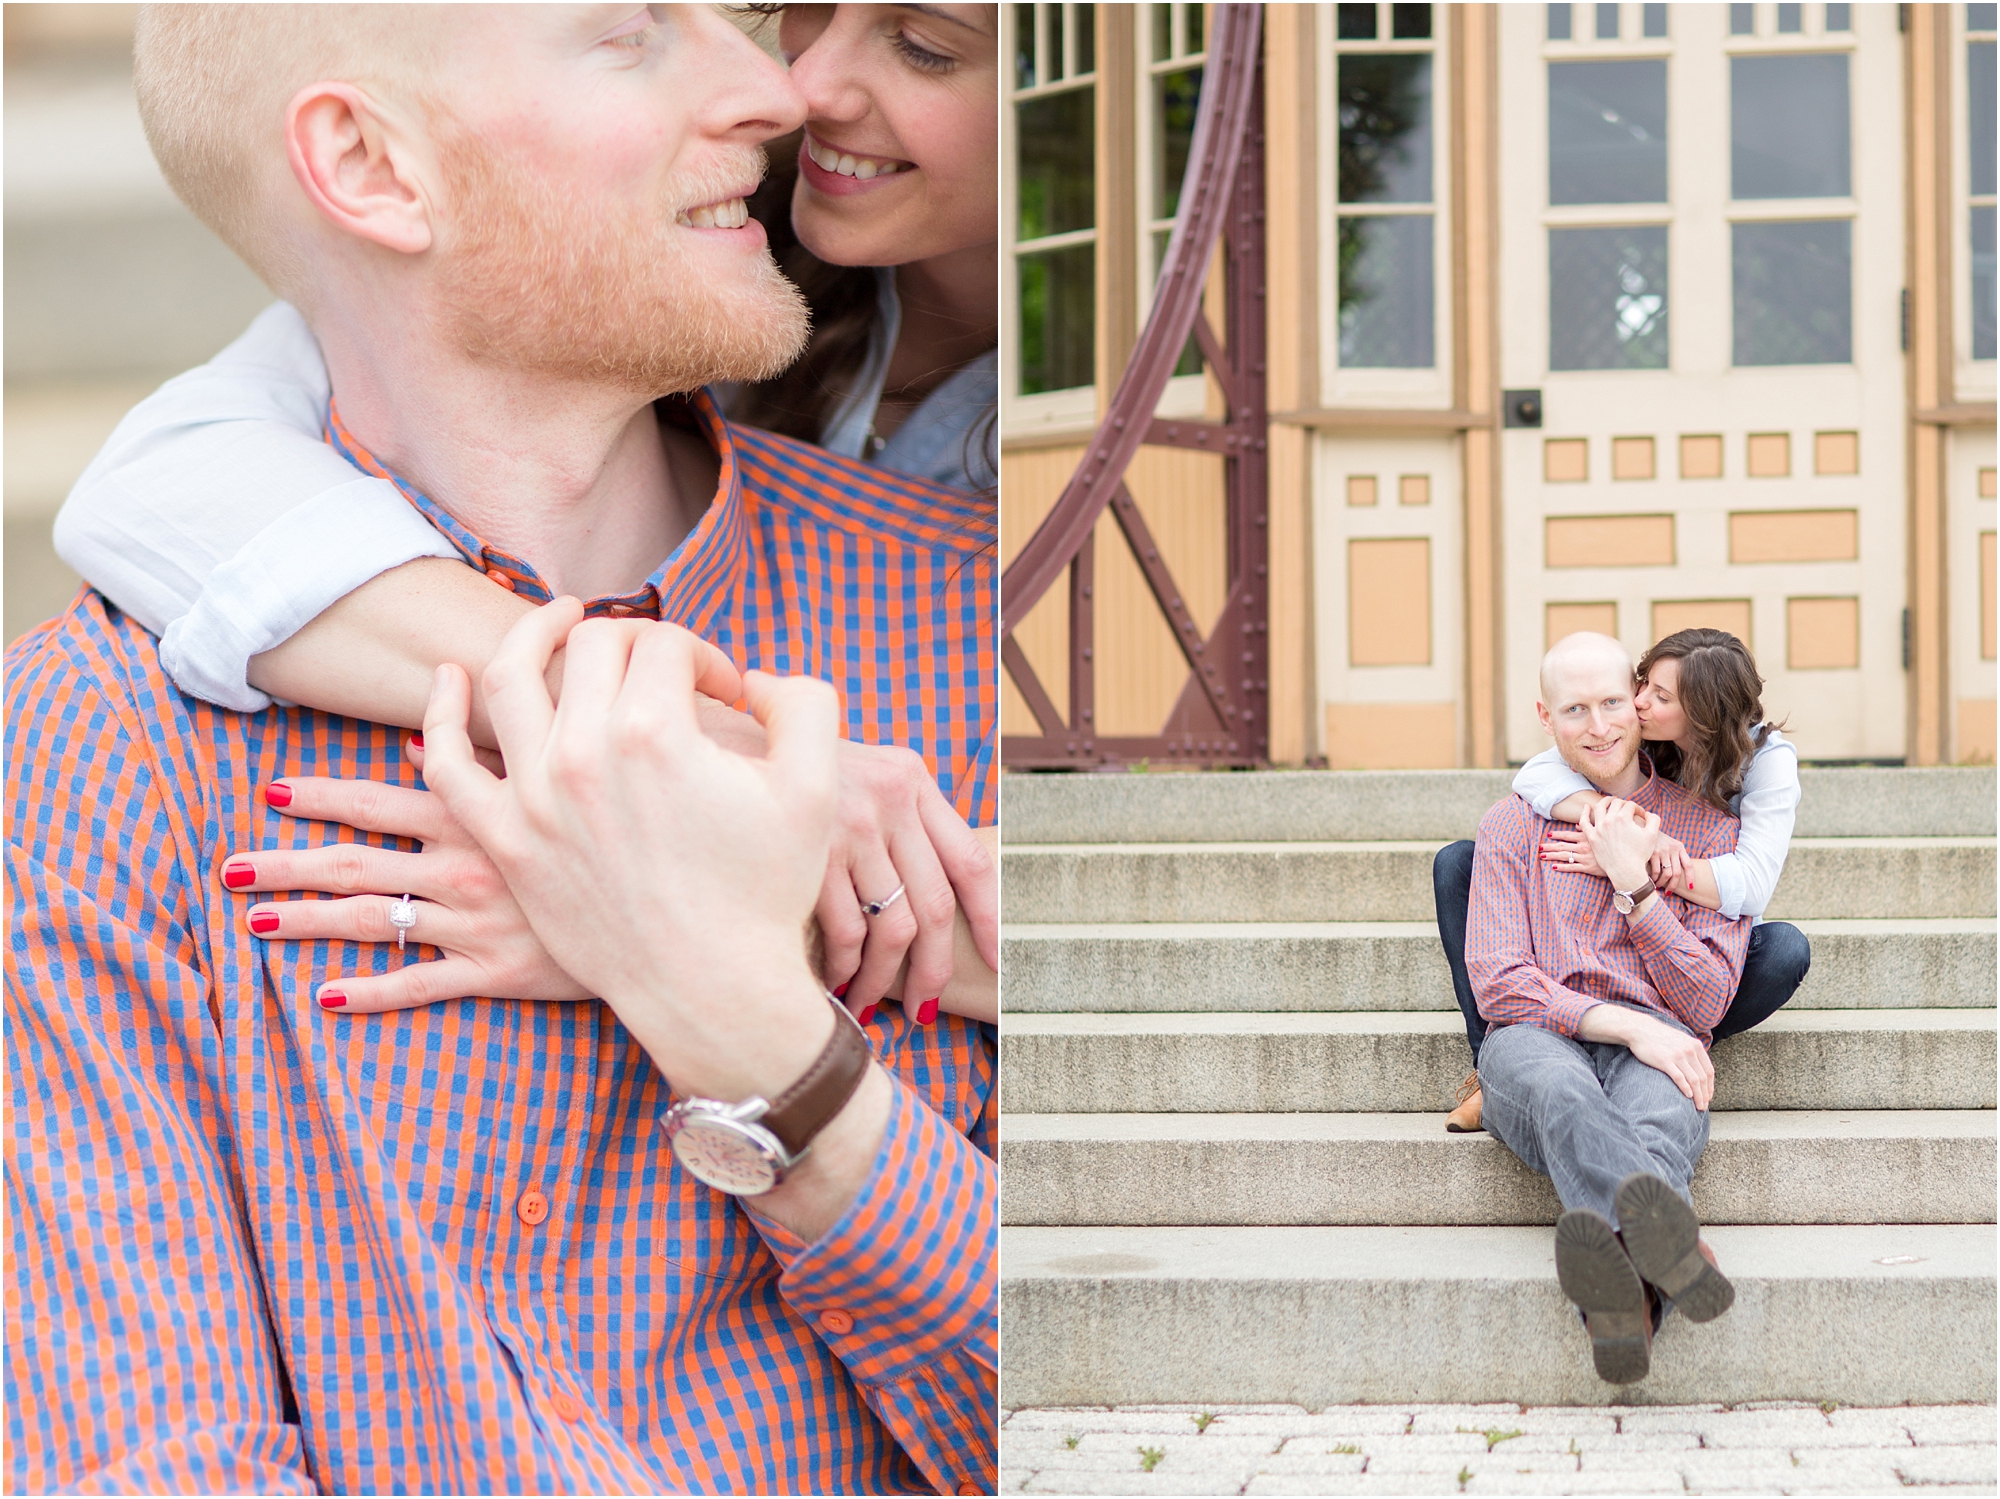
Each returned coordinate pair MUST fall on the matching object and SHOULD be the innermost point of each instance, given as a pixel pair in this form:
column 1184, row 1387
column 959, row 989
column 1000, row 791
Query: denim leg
column 1451, row 884
column 1586, row 1114
column 1777, row 963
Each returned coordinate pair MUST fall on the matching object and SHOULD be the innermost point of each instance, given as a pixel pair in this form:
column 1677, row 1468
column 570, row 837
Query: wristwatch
column 746, row 1148
column 1627, row 901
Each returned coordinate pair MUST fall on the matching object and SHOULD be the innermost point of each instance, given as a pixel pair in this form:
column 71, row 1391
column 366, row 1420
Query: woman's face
column 1659, row 702
column 901, row 157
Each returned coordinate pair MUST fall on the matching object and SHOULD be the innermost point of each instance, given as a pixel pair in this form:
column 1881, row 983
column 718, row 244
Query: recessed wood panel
column 1389, row 601
column 1360, row 489
column 1565, row 460
column 1769, row 455
column 1701, row 456
column 1794, row 535
column 1631, row 457
column 1032, row 480
column 1978, row 735
column 1836, row 452
column 1987, row 611
column 1391, row 736
column 1671, row 615
column 1559, row 620
column 1986, row 487
column 1609, row 540
column 1822, row 634
column 1414, row 489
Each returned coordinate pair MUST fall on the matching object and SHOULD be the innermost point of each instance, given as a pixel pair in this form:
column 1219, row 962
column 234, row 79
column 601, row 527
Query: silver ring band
column 877, row 907
column 402, row 916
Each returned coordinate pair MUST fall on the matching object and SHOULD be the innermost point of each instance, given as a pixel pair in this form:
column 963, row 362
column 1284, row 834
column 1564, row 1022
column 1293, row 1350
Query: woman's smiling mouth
column 835, row 162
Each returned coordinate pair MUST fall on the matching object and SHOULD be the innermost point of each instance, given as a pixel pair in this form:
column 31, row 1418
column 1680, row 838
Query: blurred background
column 111, row 285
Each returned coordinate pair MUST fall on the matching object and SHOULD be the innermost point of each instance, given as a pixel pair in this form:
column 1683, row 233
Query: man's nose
column 752, row 96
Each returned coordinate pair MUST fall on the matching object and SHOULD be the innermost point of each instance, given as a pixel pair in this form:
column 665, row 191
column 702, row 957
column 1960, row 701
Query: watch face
column 722, row 1154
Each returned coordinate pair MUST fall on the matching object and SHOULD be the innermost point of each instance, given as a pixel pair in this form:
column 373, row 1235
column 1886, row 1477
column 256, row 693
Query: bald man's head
column 1587, row 707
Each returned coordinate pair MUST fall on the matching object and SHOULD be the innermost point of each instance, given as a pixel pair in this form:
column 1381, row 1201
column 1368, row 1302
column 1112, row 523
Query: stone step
column 1878, row 1315
column 1878, row 878
column 1326, row 806
column 1410, row 1063
column 1916, row 1166
column 1940, row 963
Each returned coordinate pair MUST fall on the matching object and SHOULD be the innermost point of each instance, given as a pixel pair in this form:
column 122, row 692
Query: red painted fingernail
column 264, row 921
column 418, row 739
column 927, row 1012
column 867, row 1014
column 236, row 876
column 332, row 999
column 278, row 794
column 841, row 992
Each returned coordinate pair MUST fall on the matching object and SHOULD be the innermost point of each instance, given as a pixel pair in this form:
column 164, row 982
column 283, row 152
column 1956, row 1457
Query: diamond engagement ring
column 402, row 916
column 877, row 907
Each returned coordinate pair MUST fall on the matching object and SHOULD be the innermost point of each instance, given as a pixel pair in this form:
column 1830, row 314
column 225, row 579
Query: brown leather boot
column 1664, row 1239
column 1464, row 1120
column 1595, row 1273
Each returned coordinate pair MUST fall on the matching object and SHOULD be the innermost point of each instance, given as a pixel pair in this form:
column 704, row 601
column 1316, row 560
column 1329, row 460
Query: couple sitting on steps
column 1602, row 933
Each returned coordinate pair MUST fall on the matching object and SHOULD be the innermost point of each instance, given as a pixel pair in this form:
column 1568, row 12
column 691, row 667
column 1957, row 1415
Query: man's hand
column 1666, row 1048
column 1622, row 836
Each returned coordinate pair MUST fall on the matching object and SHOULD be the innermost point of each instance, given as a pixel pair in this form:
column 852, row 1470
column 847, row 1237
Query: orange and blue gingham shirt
column 1543, row 944
column 257, row 1247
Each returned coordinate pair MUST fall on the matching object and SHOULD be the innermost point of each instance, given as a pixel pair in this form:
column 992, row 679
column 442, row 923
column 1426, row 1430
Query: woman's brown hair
column 1722, row 696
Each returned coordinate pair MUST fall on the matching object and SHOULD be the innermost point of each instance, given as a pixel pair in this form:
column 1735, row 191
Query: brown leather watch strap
column 802, row 1110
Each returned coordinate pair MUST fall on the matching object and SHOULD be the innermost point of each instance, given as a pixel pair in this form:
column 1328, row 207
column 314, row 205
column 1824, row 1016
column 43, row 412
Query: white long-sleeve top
column 218, row 517
column 1768, row 807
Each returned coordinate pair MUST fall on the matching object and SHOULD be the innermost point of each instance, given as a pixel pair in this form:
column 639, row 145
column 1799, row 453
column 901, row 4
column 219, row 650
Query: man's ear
column 1548, row 723
column 357, row 167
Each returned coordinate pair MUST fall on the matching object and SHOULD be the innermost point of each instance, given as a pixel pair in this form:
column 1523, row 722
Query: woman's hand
column 1670, row 866
column 463, row 905
column 1564, row 847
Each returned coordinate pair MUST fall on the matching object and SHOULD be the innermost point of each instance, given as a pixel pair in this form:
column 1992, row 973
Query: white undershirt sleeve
column 217, row 517
column 1769, row 807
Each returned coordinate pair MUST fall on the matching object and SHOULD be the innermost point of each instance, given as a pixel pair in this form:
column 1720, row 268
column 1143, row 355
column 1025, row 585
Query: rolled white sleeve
column 217, row 517
column 1546, row 780
column 1769, row 808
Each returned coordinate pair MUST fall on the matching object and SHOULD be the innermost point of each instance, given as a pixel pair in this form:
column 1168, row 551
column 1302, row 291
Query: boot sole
column 1595, row 1273
column 1661, row 1235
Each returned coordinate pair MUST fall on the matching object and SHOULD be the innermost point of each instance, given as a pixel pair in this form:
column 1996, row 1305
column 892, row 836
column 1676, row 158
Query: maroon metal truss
column 1222, row 716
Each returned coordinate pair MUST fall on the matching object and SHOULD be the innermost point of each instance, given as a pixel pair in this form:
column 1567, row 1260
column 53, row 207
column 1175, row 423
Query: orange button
column 566, row 1405
column 836, row 1321
column 970, row 1488
column 621, row 611
column 533, row 1207
column 501, row 578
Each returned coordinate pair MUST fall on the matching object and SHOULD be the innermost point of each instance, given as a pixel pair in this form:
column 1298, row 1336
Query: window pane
column 1982, row 283
column 1979, row 114
column 1788, row 126
column 1385, row 128
column 1163, row 32
column 1608, row 298
column 1791, row 18
column 1607, row 23
column 1357, row 23
column 1054, row 61
column 1653, row 19
column 1175, row 99
column 1837, row 17
column 1024, row 46
column 1386, row 297
column 1558, row 23
column 1742, row 20
column 1608, row 132
column 1057, row 334
column 1058, row 145
column 1410, row 22
column 1195, row 12
column 1979, row 17
column 1794, row 292
column 1190, row 360
column 1086, row 38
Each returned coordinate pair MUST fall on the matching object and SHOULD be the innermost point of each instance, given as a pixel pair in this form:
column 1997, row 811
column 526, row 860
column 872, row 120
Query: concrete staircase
column 1231, row 1040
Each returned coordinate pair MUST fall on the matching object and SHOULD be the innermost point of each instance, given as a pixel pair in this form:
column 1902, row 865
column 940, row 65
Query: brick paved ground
column 1764, row 1448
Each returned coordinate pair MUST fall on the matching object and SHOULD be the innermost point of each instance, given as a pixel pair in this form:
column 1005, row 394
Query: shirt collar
column 690, row 586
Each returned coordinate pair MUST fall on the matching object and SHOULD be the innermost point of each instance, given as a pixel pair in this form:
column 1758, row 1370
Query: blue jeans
column 1776, row 966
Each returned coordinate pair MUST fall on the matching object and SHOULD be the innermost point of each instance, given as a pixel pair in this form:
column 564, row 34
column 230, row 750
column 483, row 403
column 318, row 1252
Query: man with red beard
column 696, row 1238
column 1602, row 995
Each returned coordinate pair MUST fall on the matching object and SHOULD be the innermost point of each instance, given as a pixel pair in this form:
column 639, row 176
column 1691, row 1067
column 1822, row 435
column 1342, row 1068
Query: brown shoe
column 1664, row 1239
column 1595, row 1272
column 1464, row 1120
